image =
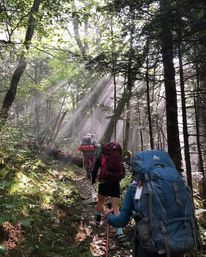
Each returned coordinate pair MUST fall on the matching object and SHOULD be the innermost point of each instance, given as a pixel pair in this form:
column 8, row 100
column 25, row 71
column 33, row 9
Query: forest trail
column 97, row 235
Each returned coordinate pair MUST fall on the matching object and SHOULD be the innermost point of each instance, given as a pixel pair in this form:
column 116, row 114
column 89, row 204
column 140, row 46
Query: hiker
column 161, row 204
column 88, row 147
column 126, row 159
column 110, row 170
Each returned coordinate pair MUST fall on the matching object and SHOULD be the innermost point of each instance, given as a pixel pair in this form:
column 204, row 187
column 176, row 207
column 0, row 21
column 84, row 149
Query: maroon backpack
column 112, row 168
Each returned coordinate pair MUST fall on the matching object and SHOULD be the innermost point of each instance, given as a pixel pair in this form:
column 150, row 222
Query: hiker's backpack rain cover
column 165, row 222
column 112, row 168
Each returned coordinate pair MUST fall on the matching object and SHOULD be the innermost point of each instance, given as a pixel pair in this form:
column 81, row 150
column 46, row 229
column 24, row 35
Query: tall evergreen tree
column 167, row 49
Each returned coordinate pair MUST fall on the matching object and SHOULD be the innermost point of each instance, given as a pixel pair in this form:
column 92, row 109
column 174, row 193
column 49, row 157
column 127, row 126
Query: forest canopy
column 127, row 71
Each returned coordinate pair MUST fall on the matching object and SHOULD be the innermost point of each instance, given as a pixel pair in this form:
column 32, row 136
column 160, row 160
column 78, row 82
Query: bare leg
column 99, row 208
column 101, row 199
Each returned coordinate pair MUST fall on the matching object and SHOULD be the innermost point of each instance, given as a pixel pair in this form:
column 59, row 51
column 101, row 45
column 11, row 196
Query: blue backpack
column 164, row 213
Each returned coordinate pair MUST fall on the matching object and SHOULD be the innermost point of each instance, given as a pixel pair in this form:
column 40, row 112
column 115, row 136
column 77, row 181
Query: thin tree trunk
column 11, row 93
column 114, row 80
column 59, row 126
column 200, row 159
column 199, row 150
column 130, row 81
column 48, row 111
column 140, row 130
column 37, row 127
column 127, row 120
column 77, row 37
column 148, row 100
column 184, row 119
column 201, row 164
column 127, row 127
column 119, row 110
column 55, row 127
column 115, row 105
column 85, row 105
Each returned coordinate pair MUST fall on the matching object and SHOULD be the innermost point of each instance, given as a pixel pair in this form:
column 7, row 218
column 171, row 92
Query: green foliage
column 125, row 183
column 112, row 37
column 39, row 197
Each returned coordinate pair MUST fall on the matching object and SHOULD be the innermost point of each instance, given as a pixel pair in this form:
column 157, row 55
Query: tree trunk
column 197, row 123
column 200, row 105
column 130, row 80
column 114, row 78
column 82, row 47
column 127, row 127
column 140, row 123
column 57, row 123
column 129, row 94
column 85, row 105
column 37, row 127
column 59, row 126
column 48, row 111
column 199, row 150
column 148, row 100
column 115, row 104
column 119, row 110
column 11, row 93
column 166, row 40
column 184, row 120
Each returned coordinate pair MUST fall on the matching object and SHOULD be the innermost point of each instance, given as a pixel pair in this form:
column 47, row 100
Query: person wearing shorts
column 107, row 190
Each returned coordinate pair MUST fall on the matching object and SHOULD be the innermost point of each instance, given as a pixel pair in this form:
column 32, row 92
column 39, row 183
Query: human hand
column 106, row 212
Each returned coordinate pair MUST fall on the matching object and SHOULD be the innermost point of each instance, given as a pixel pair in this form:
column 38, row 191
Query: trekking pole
column 107, row 240
column 109, row 205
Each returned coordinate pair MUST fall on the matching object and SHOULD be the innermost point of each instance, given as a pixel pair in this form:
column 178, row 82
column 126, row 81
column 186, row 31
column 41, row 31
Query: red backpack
column 112, row 168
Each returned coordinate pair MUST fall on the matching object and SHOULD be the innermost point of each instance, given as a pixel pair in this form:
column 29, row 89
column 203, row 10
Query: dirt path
column 97, row 235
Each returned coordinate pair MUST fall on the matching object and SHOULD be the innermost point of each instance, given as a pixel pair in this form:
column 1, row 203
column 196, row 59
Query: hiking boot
column 98, row 219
